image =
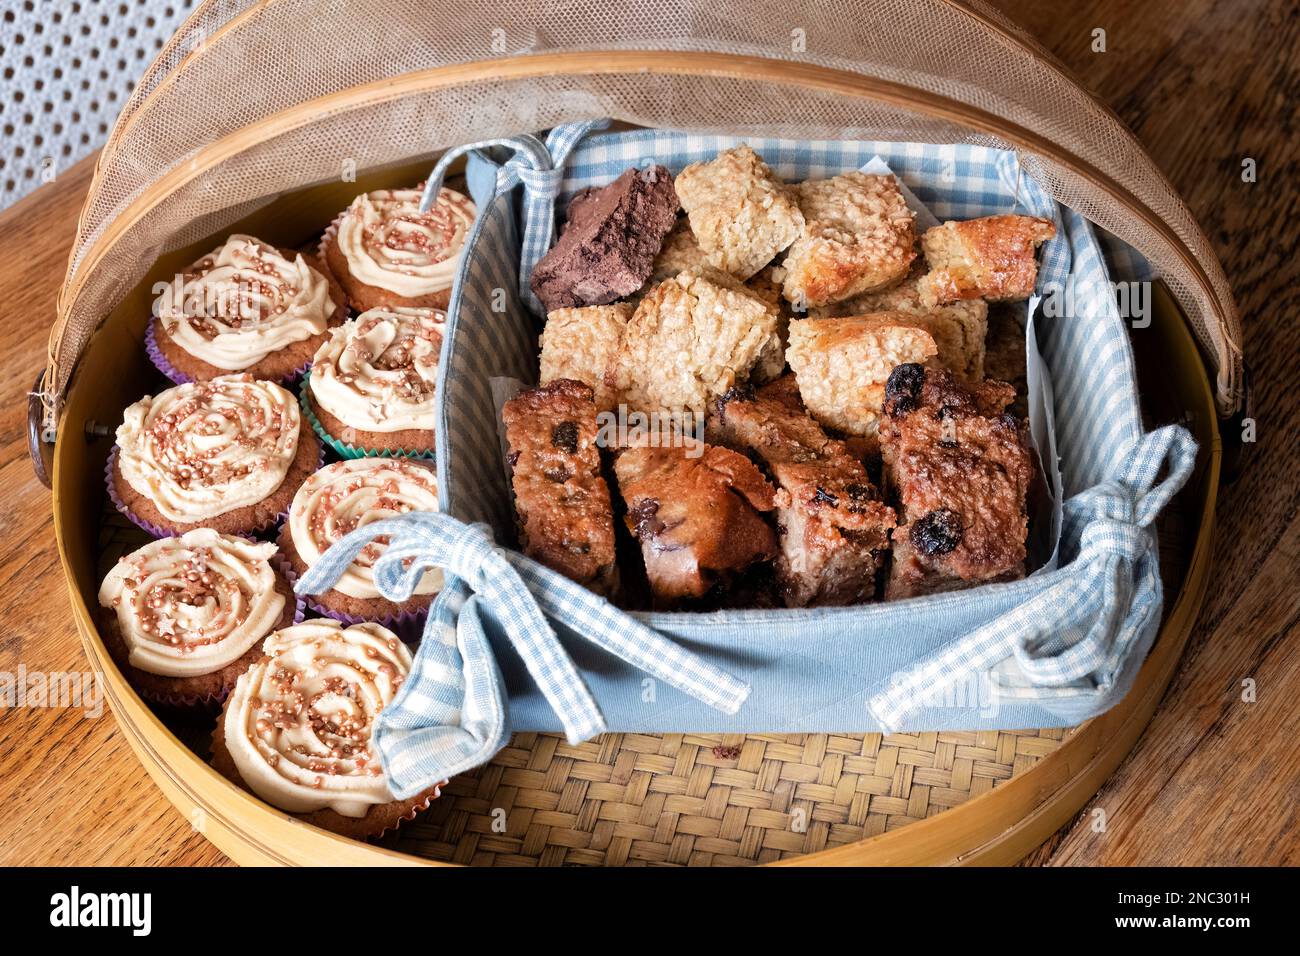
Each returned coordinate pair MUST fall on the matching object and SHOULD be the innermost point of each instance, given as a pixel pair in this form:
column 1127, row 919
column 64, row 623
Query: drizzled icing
column 389, row 243
column 243, row 301
column 207, row 448
column 299, row 723
column 377, row 371
column 349, row 494
column 191, row 605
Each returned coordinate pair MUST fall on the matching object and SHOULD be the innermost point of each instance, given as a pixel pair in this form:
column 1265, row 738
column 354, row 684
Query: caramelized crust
column 562, row 503
column 858, row 235
column 961, row 469
column 833, row 527
column 959, row 330
column 990, row 258
column 697, row 518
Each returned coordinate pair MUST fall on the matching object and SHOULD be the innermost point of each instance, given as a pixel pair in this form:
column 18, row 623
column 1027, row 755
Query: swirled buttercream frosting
column 377, row 371
column 243, row 301
column 349, row 494
column 299, row 722
column 389, row 243
column 207, row 448
column 192, row 605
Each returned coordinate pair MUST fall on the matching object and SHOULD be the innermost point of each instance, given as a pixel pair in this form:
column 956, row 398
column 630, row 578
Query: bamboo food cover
column 245, row 103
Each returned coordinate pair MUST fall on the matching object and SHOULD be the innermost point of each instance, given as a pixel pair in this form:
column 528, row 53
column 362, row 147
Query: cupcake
column 245, row 307
column 371, row 385
column 345, row 496
column 385, row 252
column 297, row 729
column 184, row 617
column 226, row 454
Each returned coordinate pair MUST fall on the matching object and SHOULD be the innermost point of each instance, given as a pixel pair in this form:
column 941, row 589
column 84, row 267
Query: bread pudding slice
column 834, row 529
column 960, row 468
column 562, row 503
column 696, row 516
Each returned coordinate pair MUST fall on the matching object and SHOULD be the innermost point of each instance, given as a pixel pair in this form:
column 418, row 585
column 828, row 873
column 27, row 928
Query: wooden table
column 1204, row 85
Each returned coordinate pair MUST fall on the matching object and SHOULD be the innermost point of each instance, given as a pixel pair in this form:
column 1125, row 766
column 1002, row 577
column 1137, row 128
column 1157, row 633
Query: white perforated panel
column 69, row 65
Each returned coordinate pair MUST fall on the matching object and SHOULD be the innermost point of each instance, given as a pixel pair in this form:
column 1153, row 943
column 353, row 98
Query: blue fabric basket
column 511, row 646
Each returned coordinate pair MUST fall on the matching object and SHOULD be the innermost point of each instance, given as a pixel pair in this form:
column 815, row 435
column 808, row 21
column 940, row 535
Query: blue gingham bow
column 1080, row 627
column 448, row 699
column 540, row 167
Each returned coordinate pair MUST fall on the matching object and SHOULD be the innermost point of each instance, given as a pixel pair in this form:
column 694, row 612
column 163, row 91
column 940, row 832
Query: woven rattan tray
column 707, row 799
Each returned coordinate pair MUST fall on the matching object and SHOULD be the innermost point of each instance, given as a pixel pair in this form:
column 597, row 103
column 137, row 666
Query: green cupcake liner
column 342, row 448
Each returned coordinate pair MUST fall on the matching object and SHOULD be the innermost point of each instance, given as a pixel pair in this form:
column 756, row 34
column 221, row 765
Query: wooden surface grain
column 1215, row 779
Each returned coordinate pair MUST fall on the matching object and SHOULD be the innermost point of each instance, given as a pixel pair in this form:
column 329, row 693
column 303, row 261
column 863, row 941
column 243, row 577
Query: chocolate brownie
column 609, row 244
column 696, row 516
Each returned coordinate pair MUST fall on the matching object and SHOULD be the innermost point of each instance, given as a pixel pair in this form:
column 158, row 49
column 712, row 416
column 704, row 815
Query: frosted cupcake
column 298, row 728
column 226, row 454
column 348, row 495
column 384, row 252
column 245, row 307
column 184, row 617
column 371, row 387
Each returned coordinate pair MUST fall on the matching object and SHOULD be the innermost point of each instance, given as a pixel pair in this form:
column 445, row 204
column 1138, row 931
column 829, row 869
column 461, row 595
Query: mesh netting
column 252, row 99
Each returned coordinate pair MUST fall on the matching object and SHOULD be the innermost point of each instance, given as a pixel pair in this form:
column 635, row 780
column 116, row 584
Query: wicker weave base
column 706, row 799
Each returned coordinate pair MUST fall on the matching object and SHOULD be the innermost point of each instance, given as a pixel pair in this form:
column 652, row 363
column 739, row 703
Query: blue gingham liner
column 1049, row 650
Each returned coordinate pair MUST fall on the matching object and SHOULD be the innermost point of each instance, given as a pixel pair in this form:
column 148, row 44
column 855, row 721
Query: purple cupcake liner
column 160, row 531
column 214, row 701
column 153, row 530
column 151, row 349
column 408, row 625
column 178, row 377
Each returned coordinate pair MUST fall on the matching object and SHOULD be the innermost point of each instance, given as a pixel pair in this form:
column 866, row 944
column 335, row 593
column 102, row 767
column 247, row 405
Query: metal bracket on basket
column 38, row 443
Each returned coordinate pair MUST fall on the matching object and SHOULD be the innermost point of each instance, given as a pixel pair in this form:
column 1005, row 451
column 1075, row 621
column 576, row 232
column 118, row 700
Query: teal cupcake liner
column 342, row 448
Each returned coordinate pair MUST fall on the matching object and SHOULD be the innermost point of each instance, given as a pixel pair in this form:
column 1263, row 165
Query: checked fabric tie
column 540, row 168
column 448, row 716
column 1080, row 626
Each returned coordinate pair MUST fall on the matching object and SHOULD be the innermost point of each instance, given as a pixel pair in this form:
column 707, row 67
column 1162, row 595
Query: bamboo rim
column 727, row 66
